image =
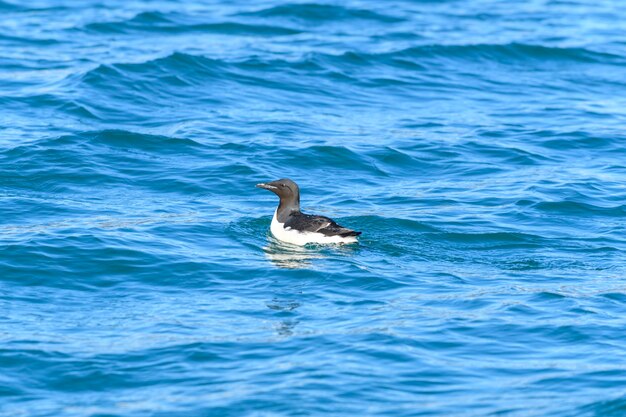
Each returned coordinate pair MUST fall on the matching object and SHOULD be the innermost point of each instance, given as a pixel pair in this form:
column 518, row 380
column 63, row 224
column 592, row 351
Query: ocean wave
column 142, row 141
column 320, row 74
column 574, row 208
column 509, row 53
column 175, row 23
column 177, row 70
column 327, row 64
column 52, row 102
column 6, row 6
column 579, row 139
column 70, row 162
column 605, row 408
column 29, row 40
column 111, row 138
column 316, row 12
column 491, row 240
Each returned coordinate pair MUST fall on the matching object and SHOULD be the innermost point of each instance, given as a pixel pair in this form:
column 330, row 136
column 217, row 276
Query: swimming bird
column 292, row 226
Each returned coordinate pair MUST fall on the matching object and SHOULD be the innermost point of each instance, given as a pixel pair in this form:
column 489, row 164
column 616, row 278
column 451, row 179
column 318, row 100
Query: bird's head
column 286, row 189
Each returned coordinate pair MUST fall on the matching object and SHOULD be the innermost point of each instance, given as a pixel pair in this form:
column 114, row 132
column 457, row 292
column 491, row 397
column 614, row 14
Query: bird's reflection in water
column 286, row 327
column 285, row 255
column 285, row 309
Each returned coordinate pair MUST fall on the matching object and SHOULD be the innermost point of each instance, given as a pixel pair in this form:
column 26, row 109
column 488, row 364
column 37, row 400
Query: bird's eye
column 282, row 185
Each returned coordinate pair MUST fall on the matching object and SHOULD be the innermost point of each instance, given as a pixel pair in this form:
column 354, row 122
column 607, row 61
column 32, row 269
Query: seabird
column 292, row 226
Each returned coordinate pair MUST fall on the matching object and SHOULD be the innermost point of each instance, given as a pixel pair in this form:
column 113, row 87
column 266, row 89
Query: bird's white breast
column 299, row 238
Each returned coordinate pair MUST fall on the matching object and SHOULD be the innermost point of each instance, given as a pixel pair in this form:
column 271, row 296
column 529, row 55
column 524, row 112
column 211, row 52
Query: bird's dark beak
column 266, row 186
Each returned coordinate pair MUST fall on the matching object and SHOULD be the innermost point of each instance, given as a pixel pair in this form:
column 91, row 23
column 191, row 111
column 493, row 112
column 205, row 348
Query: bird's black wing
column 317, row 224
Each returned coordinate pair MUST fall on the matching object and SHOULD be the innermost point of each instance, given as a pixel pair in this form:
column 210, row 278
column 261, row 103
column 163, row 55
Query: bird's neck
column 286, row 208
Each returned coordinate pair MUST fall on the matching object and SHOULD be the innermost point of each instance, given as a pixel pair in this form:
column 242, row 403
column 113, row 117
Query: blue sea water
column 479, row 146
